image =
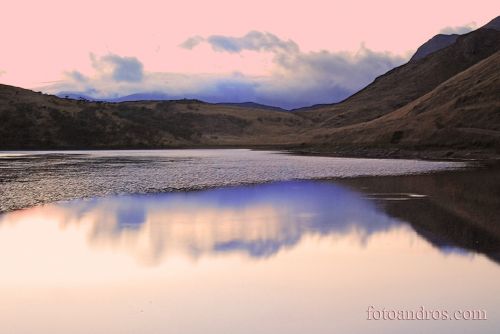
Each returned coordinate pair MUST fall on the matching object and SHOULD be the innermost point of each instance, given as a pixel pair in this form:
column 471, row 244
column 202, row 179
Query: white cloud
column 460, row 30
column 120, row 69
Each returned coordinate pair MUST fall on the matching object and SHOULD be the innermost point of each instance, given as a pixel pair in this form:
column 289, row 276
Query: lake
column 239, row 241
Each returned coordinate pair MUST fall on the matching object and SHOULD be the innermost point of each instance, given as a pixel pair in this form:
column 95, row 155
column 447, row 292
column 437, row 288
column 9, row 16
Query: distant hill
column 252, row 105
column 158, row 96
column 147, row 96
column 30, row 120
column 151, row 96
column 75, row 96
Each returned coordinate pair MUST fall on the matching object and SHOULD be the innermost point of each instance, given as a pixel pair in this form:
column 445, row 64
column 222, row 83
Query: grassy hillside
column 408, row 82
column 461, row 113
column 34, row 120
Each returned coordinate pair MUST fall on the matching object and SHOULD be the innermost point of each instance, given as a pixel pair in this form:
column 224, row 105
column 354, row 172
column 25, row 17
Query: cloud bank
column 297, row 78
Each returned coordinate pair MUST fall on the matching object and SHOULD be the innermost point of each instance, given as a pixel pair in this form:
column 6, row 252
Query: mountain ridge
column 436, row 43
column 462, row 111
column 440, row 41
column 409, row 81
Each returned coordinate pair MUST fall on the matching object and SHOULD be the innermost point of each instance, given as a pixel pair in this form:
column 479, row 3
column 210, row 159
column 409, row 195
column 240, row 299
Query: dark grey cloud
column 77, row 76
column 191, row 42
column 341, row 69
column 121, row 69
column 324, row 77
column 459, row 29
column 233, row 89
column 254, row 41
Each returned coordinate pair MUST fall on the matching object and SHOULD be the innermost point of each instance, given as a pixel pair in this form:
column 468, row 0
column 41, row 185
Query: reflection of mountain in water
column 461, row 208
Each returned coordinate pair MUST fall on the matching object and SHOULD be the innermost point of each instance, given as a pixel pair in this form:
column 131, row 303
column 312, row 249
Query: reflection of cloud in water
column 254, row 220
column 257, row 221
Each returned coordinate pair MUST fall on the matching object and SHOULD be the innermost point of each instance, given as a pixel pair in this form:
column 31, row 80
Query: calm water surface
column 288, row 256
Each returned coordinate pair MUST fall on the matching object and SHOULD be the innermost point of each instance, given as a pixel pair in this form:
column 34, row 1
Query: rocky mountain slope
column 440, row 41
column 408, row 82
column 436, row 43
column 461, row 113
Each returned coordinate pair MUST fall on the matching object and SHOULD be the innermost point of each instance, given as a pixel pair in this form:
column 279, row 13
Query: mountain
column 436, row 43
column 441, row 41
column 158, row 96
column 461, row 113
column 75, row 96
column 493, row 24
column 146, row 96
column 408, row 82
column 151, row 96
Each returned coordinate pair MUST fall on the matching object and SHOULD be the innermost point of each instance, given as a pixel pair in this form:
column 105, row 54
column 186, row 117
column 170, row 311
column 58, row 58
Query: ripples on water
column 31, row 178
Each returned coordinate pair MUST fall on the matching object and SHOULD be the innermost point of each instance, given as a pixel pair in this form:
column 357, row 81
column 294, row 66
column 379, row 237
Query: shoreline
column 429, row 155
column 443, row 154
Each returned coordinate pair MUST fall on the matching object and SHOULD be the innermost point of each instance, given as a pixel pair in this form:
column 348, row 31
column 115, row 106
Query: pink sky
column 43, row 40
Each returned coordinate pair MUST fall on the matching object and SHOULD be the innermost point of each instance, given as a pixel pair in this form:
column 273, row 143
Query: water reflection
column 289, row 257
column 460, row 209
column 256, row 221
